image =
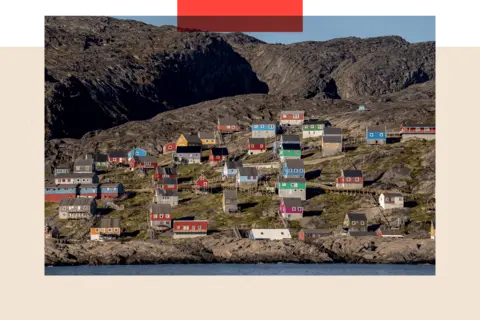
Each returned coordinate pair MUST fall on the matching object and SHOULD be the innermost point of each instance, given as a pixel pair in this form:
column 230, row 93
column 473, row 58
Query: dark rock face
column 101, row 72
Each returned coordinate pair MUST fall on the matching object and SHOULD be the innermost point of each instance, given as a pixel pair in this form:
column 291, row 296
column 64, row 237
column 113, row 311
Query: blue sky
column 411, row 28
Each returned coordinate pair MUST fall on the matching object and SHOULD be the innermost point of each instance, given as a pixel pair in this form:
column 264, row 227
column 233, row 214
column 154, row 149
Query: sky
column 318, row 28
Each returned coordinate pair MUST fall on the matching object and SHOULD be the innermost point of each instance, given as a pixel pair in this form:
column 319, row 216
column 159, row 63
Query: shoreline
column 224, row 250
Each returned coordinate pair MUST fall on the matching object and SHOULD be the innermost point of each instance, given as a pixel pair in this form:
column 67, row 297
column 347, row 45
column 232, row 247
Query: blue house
column 376, row 135
column 137, row 152
column 111, row 190
column 230, row 169
column 293, row 168
column 247, row 177
column 264, row 129
column 361, row 108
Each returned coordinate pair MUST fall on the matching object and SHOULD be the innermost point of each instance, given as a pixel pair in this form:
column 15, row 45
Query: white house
column 391, row 200
column 270, row 234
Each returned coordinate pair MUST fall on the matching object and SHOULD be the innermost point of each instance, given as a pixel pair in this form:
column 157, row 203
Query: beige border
column 31, row 295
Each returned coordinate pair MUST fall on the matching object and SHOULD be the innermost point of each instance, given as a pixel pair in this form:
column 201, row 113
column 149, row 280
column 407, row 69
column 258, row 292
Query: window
column 312, row 126
column 155, row 216
column 109, row 229
column 271, row 126
column 296, row 116
column 417, row 129
column 299, row 209
column 261, row 146
column 228, row 127
column 114, row 159
column 284, row 116
column 161, row 216
column 205, row 183
column 96, row 230
column 348, row 179
column 199, row 228
column 371, row 134
column 78, row 168
column 381, row 134
column 252, row 146
column 167, row 216
column 294, row 209
column 426, row 129
column 295, row 170
column 295, row 185
column 362, row 223
column 185, row 227
column 178, row 227
column 354, row 223
column 357, row 179
column 284, row 184
column 255, row 125
column 116, row 229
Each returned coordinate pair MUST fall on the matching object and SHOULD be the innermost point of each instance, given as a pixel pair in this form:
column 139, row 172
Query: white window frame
column 370, row 134
column 348, row 179
column 294, row 209
column 255, row 126
column 381, row 134
column 155, row 216
column 299, row 209
column 354, row 223
column 362, row 223
column 357, row 179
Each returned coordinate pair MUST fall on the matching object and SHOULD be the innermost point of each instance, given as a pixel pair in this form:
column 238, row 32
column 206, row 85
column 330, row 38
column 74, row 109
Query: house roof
column 118, row 154
column 257, row 141
column 76, row 201
column 144, row 159
column 68, row 186
column 234, row 164
column 352, row 173
column 290, row 179
column 227, row 121
column 110, row 185
column 264, row 122
column 290, row 137
column 64, row 166
column 295, row 163
column 167, row 170
column 377, row 129
column 108, row 223
column 83, row 162
column 230, row 194
column 192, row 138
column 169, row 181
column 219, row 151
column 206, row 135
column 189, row 149
column 315, row 121
column 161, row 208
column 271, row 233
column 291, row 146
column 332, row 139
column 99, row 157
column 392, row 195
column 362, row 233
column 248, row 171
column 291, row 111
column 167, row 193
column 316, row 231
column 357, row 216
column 418, row 125
column 292, row 202
column 76, row 175
column 331, row 131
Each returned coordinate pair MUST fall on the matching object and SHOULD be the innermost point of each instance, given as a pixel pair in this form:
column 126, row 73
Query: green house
column 314, row 128
column 292, row 188
column 290, row 151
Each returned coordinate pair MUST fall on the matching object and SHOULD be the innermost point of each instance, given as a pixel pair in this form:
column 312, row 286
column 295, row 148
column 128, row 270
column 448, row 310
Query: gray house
column 64, row 168
column 230, row 201
column 166, row 197
column 186, row 155
column 84, row 166
column 76, row 178
column 77, row 208
column 100, row 160
column 355, row 222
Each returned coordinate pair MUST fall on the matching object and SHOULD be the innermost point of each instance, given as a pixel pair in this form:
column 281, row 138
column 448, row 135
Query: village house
column 389, row 233
column 57, row 192
column 291, row 208
column 187, row 155
column 314, row 128
column 166, row 196
column 293, row 168
column 51, row 232
column 361, row 108
column 292, row 117
column 106, row 229
column 247, row 177
column 391, row 200
column 136, row 152
column 230, row 169
column 100, row 160
column 169, row 147
column 88, row 190
column 202, row 182
column 269, row 234
column 118, row 157
column 160, row 215
column 331, row 131
column 312, row 234
column 230, row 201
column 376, row 135
column 355, row 222
column 77, row 208
column 63, row 168
column 165, row 172
column 290, row 151
column 290, row 139
column 168, row 183
column 421, row 131
column 189, row 140
column 76, row 178
column 292, row 188
column 218, row 155
column 111, row 190
column 350, row 179
column 256, row 145
column 227, row 125
column 331, row 145
column 143, row 162
column 264, row 129
column 84, row 166
column 189, row 228
column 208, row 138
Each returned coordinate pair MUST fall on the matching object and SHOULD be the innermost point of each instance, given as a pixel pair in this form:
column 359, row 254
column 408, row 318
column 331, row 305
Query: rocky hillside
column 101, row 72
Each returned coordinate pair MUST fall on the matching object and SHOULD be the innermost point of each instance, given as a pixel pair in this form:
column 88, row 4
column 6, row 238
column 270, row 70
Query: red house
column 170, row 147
column 256, row 145
column 189, row 228
column 118, row 156
column 218, row 154
column 202, row 182
column 161, row 173
column 350, row 179
column 418, row 128
column 227, row 124
column 168, row 184
column 160, row 215
column 143, row 162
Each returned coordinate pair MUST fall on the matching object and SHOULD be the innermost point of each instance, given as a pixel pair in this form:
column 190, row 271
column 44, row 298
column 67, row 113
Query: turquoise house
column 137, row 152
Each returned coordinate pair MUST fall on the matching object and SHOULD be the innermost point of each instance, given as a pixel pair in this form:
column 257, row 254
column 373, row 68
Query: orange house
column 105, row 229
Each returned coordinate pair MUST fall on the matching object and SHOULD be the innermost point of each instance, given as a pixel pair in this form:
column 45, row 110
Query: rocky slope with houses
column 222, row 249
column 97, row 75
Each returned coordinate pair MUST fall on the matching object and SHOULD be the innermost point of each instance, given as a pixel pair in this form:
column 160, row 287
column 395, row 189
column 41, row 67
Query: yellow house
column 207, row 138
column 188, row 140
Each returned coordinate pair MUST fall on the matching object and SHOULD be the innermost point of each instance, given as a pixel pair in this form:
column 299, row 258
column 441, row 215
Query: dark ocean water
column 245, row 269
